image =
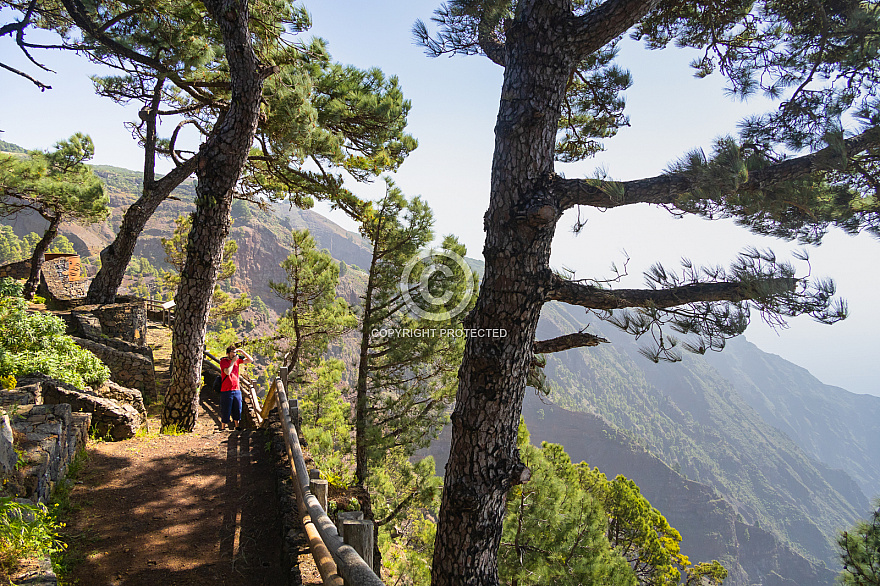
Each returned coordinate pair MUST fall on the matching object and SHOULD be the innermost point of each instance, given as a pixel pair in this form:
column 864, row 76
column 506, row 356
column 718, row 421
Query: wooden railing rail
column 347, row 564
column 165, row 308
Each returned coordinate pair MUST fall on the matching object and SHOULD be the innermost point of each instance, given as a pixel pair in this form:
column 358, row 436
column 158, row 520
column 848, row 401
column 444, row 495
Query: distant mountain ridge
column 714, row 420
column 694, row 419
column 835, row 426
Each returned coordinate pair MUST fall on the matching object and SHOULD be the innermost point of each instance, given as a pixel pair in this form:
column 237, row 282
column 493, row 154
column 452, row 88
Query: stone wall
column 52, row 435
column 116, row 418
column 125, row 321
column 61, row 277
column 128, row 369
column 16, row 270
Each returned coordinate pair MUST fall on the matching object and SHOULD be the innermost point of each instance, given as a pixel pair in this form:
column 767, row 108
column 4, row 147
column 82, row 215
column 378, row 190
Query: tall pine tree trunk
column 361, row 407
column 484, row 461
column 116, row 256
column 33, row 280
column 220, row 161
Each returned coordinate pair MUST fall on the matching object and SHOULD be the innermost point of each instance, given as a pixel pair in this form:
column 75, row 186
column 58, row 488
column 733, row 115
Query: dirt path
column 188, row 510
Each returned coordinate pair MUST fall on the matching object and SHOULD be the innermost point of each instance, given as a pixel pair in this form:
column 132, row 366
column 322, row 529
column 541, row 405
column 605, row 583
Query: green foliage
column 145, row 274
column 14, row 249
column 554, row 529
column 325, row 422
column 25, row 531
column 35, row 342
column 408, row 367
column 316, row 315
column 224, row 307
column 405, row 497
column 637, row 530
column 10, row 246
column 8, row 147
column 860, row 551
column 706, row 574
column 54, row 183
column 569, row 523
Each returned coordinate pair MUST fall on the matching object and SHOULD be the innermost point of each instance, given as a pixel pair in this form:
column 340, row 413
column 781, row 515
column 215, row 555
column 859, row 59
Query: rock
column 8, row 456
column 110, row 418
column 120, row 394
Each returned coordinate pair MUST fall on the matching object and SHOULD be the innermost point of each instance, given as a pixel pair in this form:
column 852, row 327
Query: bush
column 35, row 342
column 25, row 531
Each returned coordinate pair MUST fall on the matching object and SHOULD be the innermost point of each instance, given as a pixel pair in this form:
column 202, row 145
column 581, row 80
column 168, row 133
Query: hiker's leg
column 236, row 408
column 225, row 409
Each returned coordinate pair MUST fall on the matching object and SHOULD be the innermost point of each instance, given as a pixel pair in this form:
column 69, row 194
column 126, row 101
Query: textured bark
column 33, row 280
column 220, row 161
column 567, row 342
column 484, row 461
column 608, row 299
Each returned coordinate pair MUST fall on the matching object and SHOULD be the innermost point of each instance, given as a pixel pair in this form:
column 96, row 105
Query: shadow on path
column 196, row 509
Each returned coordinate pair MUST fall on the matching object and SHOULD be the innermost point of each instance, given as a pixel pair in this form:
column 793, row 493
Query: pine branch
column 667, row 188
column 598, row 27
column 567, row 342
column 591, row 297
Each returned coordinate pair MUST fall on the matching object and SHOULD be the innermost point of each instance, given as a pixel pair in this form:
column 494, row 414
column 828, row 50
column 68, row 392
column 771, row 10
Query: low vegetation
column 36, row 342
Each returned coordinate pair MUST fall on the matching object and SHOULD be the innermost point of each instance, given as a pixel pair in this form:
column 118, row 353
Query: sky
column 454, row 104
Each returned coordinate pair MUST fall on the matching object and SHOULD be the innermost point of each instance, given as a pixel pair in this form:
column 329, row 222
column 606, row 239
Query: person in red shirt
column 230, row 393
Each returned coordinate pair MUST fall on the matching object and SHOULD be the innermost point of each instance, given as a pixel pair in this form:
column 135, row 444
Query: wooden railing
column 338, row 559
column 164, row 308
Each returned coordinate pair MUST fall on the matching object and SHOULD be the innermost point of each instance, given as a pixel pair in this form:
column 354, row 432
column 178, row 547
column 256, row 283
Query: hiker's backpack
column 218, row 384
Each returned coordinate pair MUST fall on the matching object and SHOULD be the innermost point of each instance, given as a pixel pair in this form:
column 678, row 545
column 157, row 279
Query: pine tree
column 554, row 529
column 316, row 315
column 570, row 524
column 223, row 305
column 860, row 551
column 792, row 173
column 56, row 184
column 408, row 349
column 315, row 318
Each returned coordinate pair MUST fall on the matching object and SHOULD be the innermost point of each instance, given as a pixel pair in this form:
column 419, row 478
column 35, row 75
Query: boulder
column 110, row 418
column 120, row 394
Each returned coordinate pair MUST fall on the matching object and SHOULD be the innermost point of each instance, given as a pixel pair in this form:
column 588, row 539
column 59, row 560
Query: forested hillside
column 729, row 446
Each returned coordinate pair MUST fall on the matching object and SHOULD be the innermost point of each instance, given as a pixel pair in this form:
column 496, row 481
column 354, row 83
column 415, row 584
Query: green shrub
column 25, row 531
column 36, row 342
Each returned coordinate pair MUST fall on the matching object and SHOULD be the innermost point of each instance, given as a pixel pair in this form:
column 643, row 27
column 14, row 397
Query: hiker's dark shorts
column 230, row 405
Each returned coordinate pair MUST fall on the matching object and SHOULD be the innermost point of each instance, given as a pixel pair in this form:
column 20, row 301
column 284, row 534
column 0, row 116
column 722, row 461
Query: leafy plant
column 35, row 342
column 25, row 531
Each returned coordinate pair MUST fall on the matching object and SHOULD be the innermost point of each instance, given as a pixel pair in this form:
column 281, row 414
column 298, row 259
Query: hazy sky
column 455, row 101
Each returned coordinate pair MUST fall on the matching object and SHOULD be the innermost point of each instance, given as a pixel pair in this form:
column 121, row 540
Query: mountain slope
column 710, row 527
column 831, row 424
column 690, row 416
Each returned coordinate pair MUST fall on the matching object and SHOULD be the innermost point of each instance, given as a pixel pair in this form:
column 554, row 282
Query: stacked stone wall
column 62, row 277
column 127, row 368
column 16, row 270
column 125, row 321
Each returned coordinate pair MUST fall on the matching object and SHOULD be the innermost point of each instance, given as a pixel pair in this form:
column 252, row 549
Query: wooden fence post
column 359, row 535
column 283, row 376
column 295, row 419
column 319, row 488
column 343, row 516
